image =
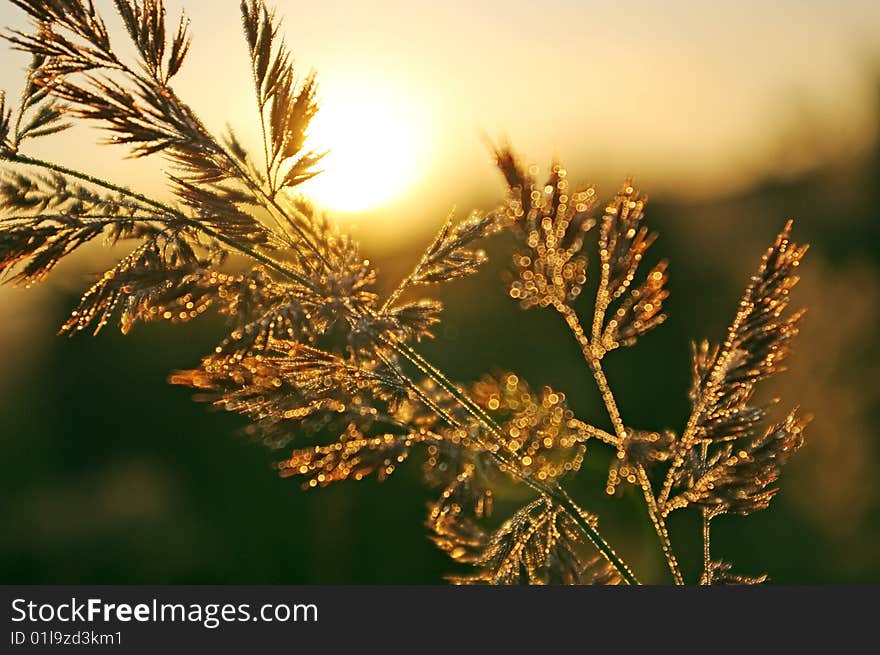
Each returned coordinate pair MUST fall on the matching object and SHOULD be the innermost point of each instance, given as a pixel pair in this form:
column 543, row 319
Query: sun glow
column 376, row 146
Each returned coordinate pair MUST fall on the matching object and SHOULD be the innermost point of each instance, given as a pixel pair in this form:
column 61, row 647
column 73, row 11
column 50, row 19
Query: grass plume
column 314, row 350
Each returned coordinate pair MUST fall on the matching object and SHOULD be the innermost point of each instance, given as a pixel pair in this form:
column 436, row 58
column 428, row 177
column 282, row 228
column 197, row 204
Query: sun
column 375, row 139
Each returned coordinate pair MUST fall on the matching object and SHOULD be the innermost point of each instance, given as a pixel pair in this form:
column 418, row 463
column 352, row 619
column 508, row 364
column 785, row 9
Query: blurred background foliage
column 113, row 476
column 110, row 475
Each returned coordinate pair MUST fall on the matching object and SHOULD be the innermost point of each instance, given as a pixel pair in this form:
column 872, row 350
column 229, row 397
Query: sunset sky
column 691, row 97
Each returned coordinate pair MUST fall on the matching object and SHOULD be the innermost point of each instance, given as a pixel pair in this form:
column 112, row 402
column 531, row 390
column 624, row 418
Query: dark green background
column 110, row 475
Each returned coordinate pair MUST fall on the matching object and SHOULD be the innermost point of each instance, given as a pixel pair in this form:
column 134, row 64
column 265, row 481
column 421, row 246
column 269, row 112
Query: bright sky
column 689, row 96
